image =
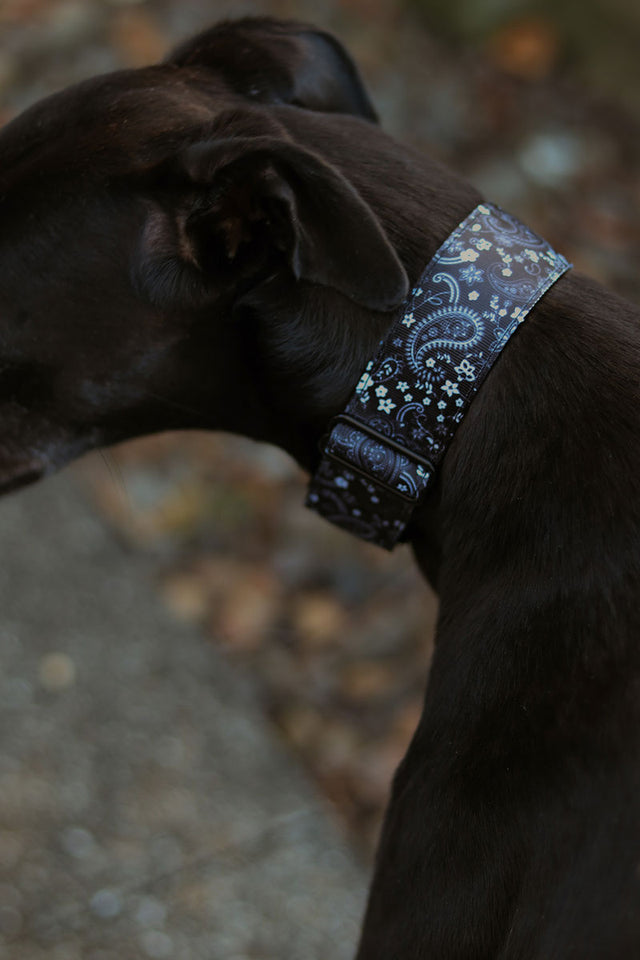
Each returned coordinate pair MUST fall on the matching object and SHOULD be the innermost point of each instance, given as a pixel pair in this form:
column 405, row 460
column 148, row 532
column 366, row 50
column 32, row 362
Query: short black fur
column 148, row 244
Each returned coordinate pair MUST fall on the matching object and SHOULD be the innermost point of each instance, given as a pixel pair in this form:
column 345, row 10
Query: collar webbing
column 380, row 454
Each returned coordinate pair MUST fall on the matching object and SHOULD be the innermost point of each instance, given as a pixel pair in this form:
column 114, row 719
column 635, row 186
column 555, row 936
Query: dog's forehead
column 109, row 121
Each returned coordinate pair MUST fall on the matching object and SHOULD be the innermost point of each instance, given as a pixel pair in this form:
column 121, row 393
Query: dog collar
column 380, row 455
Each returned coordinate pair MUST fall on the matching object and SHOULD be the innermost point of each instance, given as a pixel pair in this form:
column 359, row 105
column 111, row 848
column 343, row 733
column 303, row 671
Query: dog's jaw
column 21, row 476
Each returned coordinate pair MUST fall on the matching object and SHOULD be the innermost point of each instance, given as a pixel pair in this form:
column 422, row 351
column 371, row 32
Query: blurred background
column 538, row 104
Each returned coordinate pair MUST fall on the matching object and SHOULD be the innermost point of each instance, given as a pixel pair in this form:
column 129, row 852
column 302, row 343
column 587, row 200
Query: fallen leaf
column 367, row 680
column 137, row 38
column 526, row 48
column 318, row 619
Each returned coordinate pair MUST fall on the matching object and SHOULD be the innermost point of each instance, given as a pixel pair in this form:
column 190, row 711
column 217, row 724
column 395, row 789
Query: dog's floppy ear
column 255, row 206
column 274, row 61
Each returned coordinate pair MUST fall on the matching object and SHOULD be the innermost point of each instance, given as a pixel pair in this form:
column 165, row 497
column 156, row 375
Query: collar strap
column 381, row 454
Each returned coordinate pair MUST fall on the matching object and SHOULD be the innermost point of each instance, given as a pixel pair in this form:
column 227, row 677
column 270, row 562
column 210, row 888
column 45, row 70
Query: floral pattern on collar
column 382, row 453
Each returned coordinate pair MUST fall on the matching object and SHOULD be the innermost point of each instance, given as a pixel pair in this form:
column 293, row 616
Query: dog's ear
column 274, row 61
column 245, row 208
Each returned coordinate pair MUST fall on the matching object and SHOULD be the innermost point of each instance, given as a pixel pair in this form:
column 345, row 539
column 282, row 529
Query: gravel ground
column 146, row 810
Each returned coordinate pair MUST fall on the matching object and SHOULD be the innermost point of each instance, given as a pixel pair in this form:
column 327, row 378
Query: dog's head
column 192, row 245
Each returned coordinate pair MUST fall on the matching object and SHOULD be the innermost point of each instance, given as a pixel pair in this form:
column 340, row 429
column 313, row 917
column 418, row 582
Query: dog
column 219, row 242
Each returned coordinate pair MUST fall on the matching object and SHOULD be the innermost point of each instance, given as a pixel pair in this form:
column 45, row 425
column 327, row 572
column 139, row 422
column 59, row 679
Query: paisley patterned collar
column 382, row 453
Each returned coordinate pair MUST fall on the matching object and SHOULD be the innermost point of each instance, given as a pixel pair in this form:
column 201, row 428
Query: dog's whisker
column 113, row 468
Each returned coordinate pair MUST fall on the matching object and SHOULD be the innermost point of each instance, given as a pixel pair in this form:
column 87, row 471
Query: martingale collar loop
column 372, row 434
column 380, row 455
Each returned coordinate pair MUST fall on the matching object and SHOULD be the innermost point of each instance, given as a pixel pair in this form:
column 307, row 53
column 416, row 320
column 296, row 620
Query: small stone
column 106, row 904
column 56, row 672
column 78, row 843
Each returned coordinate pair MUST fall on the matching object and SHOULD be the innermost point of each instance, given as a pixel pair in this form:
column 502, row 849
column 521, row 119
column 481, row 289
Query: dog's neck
column 526, row 466
column 523, row 470
column 384, row 450
column 532, row 540
column 538, row 524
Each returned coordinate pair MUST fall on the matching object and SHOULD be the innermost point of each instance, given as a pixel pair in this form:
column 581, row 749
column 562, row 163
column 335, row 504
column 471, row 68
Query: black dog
column 219, row 242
